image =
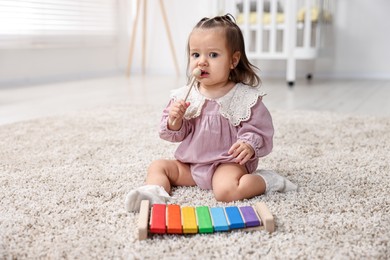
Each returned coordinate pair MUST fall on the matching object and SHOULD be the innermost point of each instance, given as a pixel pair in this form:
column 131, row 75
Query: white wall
column 361, row 41
column 358, row 46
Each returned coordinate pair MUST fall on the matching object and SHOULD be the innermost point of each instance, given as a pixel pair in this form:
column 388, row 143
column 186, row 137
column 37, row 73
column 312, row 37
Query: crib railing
column 279, row 30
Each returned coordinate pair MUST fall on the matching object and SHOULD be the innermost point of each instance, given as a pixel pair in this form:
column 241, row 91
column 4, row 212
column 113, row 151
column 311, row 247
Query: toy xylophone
column 173, row 219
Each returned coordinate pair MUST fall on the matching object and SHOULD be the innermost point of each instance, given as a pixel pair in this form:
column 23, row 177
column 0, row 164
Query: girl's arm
column 172, row 135
column 258, row 131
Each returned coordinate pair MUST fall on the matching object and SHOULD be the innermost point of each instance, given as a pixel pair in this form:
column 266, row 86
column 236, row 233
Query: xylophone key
column 219, row 219
column 158, row 222
column 174, row 219
column 250, row 216
column 204, row 220
column 234, row 218
column 189, row 220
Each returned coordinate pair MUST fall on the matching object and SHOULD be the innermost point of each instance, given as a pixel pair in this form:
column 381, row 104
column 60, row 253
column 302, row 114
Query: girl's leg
column 232, row 182
column 162, row 174
column 168, row 173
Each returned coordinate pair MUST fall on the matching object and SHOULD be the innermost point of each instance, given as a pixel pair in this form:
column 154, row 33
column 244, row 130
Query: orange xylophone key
column 174, row 219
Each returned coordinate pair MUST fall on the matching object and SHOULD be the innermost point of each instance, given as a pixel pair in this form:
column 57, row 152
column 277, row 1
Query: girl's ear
column 235, row 59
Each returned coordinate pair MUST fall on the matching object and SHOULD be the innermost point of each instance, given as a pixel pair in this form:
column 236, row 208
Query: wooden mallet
column 195, row 73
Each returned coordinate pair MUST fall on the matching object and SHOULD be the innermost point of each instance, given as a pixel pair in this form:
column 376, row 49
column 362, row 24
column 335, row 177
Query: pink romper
column 211, row 127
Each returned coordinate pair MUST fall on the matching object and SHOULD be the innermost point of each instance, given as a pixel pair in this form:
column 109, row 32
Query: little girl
column 224, row 127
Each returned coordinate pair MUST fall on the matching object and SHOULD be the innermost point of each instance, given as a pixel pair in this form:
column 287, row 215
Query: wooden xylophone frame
column 266, row 217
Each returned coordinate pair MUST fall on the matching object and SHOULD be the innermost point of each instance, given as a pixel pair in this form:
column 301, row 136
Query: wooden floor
column 357, row 97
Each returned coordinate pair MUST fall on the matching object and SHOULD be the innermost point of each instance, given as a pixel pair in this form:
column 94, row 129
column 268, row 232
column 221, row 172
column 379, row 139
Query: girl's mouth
column 204, row 73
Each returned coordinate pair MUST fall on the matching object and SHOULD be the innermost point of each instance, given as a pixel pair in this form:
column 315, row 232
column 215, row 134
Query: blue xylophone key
column 234, row 217
column 219, row 219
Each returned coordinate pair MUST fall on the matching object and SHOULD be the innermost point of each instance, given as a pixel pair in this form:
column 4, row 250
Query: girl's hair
column 244, row 71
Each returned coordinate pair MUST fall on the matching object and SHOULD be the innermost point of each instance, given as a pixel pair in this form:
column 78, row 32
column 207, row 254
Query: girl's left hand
column 242, row 152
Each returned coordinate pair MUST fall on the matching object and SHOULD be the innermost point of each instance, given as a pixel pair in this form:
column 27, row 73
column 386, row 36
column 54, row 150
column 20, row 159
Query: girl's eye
column 213, row 55
column 195, row 55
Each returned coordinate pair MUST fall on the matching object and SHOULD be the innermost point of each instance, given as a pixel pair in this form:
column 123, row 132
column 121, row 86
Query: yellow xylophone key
column 189, row 220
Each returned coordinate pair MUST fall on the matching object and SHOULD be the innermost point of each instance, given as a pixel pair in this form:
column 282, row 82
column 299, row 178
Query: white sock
column 276, row 182
column 154, row 193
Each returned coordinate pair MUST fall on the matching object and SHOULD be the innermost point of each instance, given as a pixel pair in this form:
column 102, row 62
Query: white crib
column 280, row 29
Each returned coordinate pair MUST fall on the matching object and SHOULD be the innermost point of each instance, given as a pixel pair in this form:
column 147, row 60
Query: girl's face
column 209, row 52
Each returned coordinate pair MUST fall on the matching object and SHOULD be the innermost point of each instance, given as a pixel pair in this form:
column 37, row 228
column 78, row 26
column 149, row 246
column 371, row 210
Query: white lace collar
column 235, row 105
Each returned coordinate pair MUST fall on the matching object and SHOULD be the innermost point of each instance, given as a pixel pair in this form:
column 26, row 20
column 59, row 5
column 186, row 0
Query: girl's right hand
column 176, row 112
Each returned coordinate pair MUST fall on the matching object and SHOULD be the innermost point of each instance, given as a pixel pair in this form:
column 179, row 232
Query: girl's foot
column 275, row 182
column 154, row 193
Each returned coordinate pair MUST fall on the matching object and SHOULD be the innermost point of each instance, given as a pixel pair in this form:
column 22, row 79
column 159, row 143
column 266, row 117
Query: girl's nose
column 202, row 62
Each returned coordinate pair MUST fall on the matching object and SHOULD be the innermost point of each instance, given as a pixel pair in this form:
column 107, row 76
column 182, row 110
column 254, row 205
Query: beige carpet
column 64, row 179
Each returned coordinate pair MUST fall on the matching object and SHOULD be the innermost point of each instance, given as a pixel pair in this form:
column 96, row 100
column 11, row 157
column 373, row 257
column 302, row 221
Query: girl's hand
column 176, row 113
column 242, row 152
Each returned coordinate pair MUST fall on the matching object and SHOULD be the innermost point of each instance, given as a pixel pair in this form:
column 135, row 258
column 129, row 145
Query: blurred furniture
column 287, row 30
column 144, row 33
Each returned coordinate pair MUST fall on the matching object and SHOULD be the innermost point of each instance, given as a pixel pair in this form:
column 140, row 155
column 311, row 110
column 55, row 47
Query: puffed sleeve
column 258, row 130
column 171, row 135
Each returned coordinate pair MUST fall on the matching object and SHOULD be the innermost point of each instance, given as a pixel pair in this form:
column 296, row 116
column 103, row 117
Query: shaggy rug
column 64, row 180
